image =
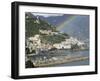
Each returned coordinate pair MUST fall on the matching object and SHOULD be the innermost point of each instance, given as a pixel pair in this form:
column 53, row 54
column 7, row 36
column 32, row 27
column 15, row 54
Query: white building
column 35, row 40
column 68, row 43
column 45, row 31
column 34, row 43
column 62, row 46
column 48, row 32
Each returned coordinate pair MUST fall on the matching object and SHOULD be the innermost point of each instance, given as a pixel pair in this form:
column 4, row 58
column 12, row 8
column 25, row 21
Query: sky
column 47, row 14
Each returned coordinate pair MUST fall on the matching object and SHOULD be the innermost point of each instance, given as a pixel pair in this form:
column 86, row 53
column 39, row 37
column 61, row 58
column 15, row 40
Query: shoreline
column 63, row 60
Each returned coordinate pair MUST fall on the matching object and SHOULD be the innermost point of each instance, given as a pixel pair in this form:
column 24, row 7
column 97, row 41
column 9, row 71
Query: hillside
column 34, row 24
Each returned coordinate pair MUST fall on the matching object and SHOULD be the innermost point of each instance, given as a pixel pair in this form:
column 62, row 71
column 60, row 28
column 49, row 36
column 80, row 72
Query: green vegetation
column 75, row 46
column 31, row 28
column 52, row 38
column 34, row 24
column 29, row 64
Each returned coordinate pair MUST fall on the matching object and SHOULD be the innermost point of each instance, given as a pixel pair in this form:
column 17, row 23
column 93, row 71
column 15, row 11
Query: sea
column 57, row 53
column 78, row 63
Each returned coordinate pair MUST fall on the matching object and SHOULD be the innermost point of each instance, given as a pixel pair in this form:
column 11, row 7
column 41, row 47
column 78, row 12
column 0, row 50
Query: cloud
column 46, row 14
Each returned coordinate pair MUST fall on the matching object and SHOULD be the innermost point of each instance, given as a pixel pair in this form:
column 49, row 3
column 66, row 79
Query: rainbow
column 67, row 21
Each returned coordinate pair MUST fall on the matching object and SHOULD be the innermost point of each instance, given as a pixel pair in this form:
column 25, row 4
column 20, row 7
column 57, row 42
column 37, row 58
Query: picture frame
column 23, row 12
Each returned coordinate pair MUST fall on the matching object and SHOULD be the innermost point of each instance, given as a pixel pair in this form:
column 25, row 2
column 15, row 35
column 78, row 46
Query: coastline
column 64, row 59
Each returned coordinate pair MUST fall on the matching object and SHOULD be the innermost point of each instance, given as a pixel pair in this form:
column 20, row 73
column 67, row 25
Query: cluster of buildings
column 34, row 43
column 48, row 32
column 68, row 43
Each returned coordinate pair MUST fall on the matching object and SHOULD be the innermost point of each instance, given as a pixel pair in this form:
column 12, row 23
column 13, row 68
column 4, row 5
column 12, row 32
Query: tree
column 29, row 64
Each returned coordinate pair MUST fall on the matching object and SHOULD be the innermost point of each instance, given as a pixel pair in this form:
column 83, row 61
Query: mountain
column 33, row 24
column 78, row 27
column 48, row 33
column 56, row 20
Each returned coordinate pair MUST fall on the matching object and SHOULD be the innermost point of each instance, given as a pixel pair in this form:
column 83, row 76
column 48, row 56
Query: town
column 42, row 54
column 35, row 44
